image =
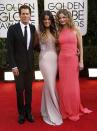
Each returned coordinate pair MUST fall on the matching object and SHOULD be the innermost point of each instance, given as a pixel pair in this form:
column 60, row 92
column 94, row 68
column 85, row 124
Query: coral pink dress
column 69, row 91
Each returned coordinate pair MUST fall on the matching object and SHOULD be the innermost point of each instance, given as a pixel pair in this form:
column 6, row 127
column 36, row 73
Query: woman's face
column 63, row 19
column 47, row 21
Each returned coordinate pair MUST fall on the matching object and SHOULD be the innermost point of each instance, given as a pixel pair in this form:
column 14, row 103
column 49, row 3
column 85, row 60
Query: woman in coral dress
column 48, row 66
column 70, row 41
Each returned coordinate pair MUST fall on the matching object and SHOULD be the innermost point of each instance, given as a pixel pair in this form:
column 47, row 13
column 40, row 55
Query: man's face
column 25, row 16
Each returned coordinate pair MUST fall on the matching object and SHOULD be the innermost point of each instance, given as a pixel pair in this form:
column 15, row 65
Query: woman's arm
column 36, row 41
column 80, row 47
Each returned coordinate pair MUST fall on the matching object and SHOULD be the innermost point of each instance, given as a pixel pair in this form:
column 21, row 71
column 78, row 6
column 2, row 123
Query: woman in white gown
column 48, row 66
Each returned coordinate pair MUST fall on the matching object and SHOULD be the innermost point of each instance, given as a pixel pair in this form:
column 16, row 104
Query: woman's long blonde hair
column 67, row 13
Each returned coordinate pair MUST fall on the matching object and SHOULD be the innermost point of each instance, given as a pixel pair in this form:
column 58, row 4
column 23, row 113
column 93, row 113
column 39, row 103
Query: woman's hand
column 78, row 52
column 81, row 66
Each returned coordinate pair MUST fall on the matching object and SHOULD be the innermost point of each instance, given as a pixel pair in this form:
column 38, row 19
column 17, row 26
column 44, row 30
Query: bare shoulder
column 38, row 32
column 77, row 30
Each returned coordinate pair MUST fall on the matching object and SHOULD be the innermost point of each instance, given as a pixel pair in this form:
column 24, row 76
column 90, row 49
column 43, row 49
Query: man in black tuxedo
column 20, row 43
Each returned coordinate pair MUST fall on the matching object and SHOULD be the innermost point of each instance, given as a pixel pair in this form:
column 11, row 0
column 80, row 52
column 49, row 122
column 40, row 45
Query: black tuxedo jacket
column 18, row 55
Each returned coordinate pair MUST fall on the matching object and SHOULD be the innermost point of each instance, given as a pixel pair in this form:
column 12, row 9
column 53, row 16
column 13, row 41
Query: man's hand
column 15, row 71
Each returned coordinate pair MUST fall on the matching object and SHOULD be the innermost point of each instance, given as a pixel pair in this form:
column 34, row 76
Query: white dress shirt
column 28, row 33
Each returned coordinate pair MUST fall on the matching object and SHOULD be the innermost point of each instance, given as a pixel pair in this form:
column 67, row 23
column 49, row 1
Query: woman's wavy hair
column 42, row 28
column 67, row 13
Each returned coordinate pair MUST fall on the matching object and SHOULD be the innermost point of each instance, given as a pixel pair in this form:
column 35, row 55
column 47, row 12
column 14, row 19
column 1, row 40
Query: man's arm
column 10, row 47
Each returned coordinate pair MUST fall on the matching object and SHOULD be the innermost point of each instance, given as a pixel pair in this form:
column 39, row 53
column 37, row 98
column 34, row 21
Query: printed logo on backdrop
column 78, row 9
column 9, row 13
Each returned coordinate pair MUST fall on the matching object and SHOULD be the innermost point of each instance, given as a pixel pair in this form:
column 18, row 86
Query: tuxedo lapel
column 31, row 39
column 20, row 34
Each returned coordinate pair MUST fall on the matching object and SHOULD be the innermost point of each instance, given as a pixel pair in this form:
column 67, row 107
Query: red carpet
column 8, row 109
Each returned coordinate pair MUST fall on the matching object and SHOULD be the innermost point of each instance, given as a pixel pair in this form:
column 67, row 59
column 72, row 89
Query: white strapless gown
column 48, row 66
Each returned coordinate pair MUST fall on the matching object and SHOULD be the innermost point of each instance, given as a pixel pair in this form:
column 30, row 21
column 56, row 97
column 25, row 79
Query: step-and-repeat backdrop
column 9, row 12
column 78, row 9
column 9, row 15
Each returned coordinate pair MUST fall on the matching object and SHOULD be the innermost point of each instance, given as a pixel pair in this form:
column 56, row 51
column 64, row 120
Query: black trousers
column 24, row 91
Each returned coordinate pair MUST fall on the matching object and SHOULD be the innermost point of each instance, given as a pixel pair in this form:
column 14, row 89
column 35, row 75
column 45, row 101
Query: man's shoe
column 21, row 119
column 29, row 117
